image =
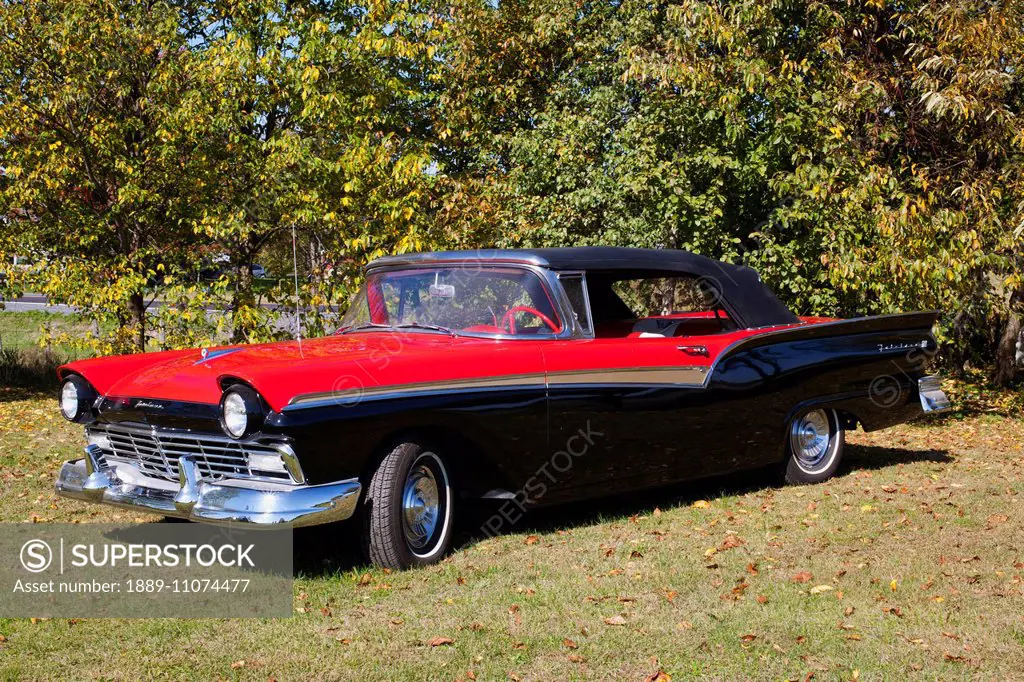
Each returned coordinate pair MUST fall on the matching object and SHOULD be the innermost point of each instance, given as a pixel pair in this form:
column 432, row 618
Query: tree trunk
column 137, row 310
column 1006, row 352
column 244, row 301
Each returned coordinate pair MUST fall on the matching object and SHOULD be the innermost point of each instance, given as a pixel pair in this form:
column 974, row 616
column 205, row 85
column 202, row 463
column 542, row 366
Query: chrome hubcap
column 810, row 437
column 420, row 506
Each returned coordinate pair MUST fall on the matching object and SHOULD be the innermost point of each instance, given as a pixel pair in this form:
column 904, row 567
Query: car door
column 627, row 411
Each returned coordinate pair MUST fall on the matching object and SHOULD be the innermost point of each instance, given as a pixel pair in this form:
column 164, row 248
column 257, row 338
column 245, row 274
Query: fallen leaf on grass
column 531, row 540
column 237, row 664
column 615, row 620
column 731, row 542
column 671, row 595
column 441, row 641
column 818, row 589
column 954, row 659
column 660, row 676
column 803, row 577
column 996, row 519
column 576, row 658
column 762, row 599
column 701, row 504
column 747, row 638
column 569, row 644
column 519, row 645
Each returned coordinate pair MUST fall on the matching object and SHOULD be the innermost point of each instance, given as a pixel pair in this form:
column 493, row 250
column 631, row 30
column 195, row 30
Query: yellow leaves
column 819, row 589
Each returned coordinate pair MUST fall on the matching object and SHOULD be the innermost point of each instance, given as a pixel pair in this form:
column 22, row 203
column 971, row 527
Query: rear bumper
column 933, row 400
column 227, row 501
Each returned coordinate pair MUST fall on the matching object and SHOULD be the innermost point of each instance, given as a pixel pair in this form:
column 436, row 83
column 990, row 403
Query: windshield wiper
column 365, row 325
column 404, row 325
column 422, row 325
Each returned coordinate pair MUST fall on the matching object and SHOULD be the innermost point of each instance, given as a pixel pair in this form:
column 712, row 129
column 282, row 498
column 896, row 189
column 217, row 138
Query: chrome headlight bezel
column 75, row 399
column 242, row 401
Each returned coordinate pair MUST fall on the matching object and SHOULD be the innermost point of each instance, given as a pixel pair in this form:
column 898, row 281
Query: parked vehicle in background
column 533, row 376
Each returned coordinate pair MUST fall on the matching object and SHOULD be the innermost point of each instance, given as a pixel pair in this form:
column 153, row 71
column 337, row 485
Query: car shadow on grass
column 321, row 551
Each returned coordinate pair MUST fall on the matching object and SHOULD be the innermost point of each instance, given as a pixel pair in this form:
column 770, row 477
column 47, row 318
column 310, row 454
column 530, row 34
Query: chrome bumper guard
column 227, row 501
column 933, row 400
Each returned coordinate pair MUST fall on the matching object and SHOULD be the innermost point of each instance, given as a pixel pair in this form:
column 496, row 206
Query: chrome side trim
column 694, row 377
column 933, row 400
column 691, row 377
column 351, row 397
column 227, row 501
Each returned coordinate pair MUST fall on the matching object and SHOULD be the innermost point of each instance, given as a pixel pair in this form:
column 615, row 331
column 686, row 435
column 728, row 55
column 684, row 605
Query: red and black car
column 536, row 376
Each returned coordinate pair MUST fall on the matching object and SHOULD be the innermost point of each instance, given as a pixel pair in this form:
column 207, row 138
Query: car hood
column 280, row 371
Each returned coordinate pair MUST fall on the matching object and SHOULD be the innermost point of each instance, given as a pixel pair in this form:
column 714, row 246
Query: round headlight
column 76, row 398
column 241, row 411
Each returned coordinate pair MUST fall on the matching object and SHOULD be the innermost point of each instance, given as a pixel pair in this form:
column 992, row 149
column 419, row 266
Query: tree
column 310, row 115
column 92, row 189
column 865, row 158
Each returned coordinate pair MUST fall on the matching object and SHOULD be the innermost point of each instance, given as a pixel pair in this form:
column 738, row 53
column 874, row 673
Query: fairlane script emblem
column 890, row 347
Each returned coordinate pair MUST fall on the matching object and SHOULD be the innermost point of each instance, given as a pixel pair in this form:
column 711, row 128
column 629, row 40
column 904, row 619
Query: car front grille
column 156, row 451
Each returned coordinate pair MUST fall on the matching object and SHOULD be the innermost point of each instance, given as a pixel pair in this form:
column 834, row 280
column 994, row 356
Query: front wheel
column 408, row 508
column 815, row 447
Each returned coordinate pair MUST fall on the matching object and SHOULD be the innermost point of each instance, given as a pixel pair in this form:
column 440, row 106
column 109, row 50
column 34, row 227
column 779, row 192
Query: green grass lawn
column 906, row 566
column 23, row 330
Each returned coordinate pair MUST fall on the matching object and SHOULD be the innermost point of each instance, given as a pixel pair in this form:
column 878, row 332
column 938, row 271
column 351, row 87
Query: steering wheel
column 508, row 320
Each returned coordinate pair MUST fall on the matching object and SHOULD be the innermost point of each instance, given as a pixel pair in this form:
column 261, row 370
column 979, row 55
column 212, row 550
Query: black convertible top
column 748, row 300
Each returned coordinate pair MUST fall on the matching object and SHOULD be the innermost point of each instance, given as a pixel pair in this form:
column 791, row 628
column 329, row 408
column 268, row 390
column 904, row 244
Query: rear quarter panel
column 866, row 368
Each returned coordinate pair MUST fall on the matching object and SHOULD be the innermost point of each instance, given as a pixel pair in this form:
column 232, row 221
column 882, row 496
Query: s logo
column 36, row 556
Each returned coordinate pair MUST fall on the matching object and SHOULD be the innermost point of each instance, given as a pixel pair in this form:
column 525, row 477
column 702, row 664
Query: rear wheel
column 815, row 446
column 408, row 508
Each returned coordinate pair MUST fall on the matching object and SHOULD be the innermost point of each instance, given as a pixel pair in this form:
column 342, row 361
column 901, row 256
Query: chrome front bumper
column 226, row 501
column 933, row 400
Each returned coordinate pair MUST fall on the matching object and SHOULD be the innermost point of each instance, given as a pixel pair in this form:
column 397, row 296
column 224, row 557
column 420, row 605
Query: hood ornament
column 208, row 354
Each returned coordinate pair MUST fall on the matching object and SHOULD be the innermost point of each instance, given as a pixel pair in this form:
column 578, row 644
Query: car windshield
column 452, row 299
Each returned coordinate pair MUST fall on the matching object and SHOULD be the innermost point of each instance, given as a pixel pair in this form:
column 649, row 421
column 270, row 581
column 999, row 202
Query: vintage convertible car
column 529, row 376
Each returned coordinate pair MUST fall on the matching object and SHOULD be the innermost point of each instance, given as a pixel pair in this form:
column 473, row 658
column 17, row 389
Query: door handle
column 694, row 350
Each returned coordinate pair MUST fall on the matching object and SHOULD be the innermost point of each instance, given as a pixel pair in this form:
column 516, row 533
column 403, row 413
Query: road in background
column 39, row 302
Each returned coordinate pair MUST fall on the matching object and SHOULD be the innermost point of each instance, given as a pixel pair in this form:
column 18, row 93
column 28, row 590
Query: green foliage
column 864, row 157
